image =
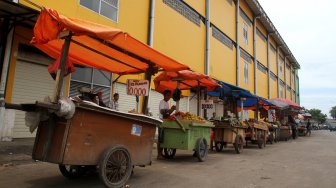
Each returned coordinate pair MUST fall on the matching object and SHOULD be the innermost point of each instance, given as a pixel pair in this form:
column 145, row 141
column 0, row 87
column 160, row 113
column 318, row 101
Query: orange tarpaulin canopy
column 98, row 46
column 188, row 80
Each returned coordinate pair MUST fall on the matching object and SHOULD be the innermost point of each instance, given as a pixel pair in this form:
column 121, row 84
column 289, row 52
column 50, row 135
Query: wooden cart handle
column 180, row 124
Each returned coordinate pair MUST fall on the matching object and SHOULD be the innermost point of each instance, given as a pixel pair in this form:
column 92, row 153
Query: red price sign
column 137, row 87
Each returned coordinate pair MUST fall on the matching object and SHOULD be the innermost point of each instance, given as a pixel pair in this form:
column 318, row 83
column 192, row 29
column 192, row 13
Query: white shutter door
column 31, row 82
column 193, row 103
column 126, row 102
column 155, row 98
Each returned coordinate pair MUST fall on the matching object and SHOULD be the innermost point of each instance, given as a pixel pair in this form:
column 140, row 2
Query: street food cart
column 78, row 134
column 256, row 132
column 184, row 131
column 229, row 131
column 284, row 109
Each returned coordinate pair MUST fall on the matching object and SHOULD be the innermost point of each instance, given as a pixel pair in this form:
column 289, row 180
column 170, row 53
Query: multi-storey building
column 231, row 40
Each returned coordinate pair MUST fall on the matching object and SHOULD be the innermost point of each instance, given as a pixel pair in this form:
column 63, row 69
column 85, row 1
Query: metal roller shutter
column 31, row 82
column 155, row 98
column 126, row 102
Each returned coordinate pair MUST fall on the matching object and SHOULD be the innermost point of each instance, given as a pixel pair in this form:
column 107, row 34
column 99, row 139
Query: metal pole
column 255, row 52
column 268, row 66
column 198, row 99
column 6, row 43
column 178, row 102
column 237, row 44
column 207, row 38
column 60, row 74
column 150, row 35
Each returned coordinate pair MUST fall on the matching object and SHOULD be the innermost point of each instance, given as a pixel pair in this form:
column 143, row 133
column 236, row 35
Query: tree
column 318, row 116
column 333, row 112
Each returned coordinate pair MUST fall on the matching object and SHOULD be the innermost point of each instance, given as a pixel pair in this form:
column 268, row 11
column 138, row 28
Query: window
column 107, row 8
column 246, row 72
column 280, row 65
column 95, row 79
column 245, row 33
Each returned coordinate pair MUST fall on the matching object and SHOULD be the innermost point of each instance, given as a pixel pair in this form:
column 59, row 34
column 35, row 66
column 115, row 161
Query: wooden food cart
column 229, row 131
column 256, row 132
column 89, row 135
column 184, row 131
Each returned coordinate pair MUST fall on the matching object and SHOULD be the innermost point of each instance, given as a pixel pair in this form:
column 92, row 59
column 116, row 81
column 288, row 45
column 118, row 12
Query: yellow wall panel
column 261, row 50
column 246, row 8
column 288, row 73
column 223, row 15
column 261, row 28
column 262, row 88
column 288, row 94
column 274, row 89
column 199, row 6
column 273, row 62
column 179, row 38
column 272, row 41
column 222, row 62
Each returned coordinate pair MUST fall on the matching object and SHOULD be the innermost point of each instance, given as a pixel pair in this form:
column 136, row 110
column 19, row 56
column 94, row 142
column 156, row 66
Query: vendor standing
column 165, row 111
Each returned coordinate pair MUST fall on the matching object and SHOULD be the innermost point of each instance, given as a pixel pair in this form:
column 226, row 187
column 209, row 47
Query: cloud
column 308, row 28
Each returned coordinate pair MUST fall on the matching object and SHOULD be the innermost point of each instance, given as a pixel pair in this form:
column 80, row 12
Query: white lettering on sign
column 137, row 87
column 207, row 104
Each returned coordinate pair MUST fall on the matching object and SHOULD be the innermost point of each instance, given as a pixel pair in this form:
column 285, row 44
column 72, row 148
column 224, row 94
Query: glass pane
column 90, row 4
column 82, row 74
column 112, row 2
column 106, row 93
column 101, row 77
column 109, row 11
column 74, row 88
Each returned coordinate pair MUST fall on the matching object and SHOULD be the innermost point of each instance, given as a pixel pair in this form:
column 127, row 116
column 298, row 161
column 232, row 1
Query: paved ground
column 305, row 162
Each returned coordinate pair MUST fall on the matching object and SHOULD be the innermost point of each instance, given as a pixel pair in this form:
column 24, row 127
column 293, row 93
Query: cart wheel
column 260, row 142
column 238, row 145
column 115, row 166
column 219, row 146
column 71, row 171
column 169, row 153
column 272, row 139
column 201, row 149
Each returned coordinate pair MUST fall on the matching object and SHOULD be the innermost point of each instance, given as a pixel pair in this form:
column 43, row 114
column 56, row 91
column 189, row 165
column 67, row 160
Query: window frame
column 245, row 33
column 116, row 21
column 246, row 74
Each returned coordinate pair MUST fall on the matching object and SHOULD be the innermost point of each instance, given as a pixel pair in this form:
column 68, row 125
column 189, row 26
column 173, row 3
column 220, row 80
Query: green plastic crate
column 174, row 137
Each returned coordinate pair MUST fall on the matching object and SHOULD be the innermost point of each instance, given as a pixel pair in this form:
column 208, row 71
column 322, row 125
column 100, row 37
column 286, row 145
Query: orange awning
column 98, row 46
column 188, row 80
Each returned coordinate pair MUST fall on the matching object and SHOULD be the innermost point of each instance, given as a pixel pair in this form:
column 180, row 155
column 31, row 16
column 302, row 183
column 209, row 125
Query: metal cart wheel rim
column 169, row 153
column 238, row 145
column 115, row 166
column 201, row 149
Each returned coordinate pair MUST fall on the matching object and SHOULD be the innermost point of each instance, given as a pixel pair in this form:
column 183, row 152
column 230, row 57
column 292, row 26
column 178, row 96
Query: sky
column 309, row 30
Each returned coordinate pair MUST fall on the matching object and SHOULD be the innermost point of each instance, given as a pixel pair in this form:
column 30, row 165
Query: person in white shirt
column 164, row 106
column 114, row 103
column 165, row 112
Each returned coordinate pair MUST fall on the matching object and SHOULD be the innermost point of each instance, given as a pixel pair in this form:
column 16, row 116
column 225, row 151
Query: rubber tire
column 201, row 149
column 238, row 145
column 169, row 153
column 271, row 139
column 103, row 164
column 71, row 171
column 260, row 142
column 219, row 146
